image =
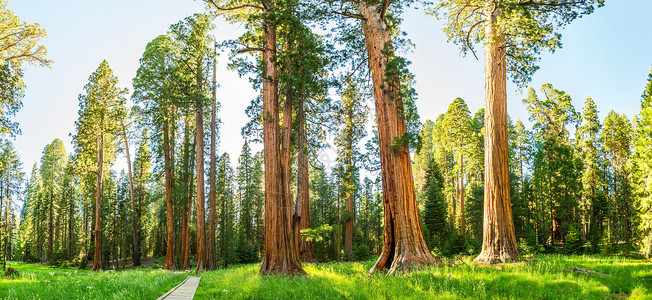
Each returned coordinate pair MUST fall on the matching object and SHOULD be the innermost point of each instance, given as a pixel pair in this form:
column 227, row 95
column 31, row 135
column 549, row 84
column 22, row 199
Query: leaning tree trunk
column 302, row 204
column 498, row 239
column 279, row 256
column 168, row 149
column 403, row 245
column 97, row 255
column 212, row 256
column 134, row 222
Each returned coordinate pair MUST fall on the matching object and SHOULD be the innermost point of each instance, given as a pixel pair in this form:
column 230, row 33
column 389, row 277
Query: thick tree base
column 403, row 263
column 490, row 257
column 287, row 271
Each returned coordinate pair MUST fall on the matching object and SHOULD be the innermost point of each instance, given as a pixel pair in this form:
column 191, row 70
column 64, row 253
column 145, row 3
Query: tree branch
column 212, row 2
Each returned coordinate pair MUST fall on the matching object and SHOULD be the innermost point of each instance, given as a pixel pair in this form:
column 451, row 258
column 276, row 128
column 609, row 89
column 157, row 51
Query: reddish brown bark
column 134, row 222
column 404, row 246
column 212, row 248
column 499, row 241
column 280, row 255
column 97, row 255
column 462, row 208
column 302, row 204
column 186, row 213
column 199, row 150
column 168, row 154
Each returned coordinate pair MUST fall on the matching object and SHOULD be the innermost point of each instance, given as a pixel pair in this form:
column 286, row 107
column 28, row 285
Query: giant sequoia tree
column 100, row 108
column 514, row 32
column 404, row 245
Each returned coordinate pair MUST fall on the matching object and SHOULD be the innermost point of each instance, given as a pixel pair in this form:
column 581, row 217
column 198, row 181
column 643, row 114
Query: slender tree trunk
column 348, row 231
column 302, row 204
column 168, row 149
column 7, row 229
column 404, row 245
column 499, row 241
column 186, row 213
column 224, row 234
column 134, row 222
column 280, row 255
column 212, row 256
column 51, row 223
column 462, row 208
column 97, row 255
column 201, row 218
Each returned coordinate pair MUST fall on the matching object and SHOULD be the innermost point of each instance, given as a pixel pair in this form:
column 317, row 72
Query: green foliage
column 317, row 234
column 573, row 243
column 12, row 90
column 435, row 212
column 361, row 252
column 529, row 27
column 642, row 177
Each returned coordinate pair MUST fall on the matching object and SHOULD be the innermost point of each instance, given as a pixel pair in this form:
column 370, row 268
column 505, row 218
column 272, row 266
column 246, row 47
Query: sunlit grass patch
column 545, row 277
column 43, row 282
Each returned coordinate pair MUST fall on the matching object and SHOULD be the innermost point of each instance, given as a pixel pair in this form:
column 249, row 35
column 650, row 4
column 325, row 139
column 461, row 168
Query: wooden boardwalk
column 185, row 290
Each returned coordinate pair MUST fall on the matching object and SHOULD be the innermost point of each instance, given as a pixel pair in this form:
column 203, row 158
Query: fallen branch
column 588, row 272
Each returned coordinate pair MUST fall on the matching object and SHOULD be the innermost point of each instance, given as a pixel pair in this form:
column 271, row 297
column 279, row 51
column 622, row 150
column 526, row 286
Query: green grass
column 43, row 282
column 547, row 277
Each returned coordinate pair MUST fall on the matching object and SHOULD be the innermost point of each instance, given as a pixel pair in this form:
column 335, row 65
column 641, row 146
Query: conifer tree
column 99, row 109
column 642, row 178
column 513, row 34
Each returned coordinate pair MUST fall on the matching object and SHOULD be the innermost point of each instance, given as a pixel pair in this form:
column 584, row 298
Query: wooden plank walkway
column 185, row 289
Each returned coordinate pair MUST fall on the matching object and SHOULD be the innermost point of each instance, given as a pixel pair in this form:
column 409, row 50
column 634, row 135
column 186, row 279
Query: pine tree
column 434, row 214
column 642, row 178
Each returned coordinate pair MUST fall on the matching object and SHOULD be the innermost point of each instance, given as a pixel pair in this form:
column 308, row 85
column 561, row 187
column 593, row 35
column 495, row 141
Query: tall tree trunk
column 280, row 255
column 302, row 204
column 499, row 240
column 403, row 245
column 199, row 142
column 134, row 222
column 212, row 257
column 186, row 213
column 51, row 223
column 462, row 208
column 168, row 149
column 224, row 232
column 97, row 255
column 7, row 229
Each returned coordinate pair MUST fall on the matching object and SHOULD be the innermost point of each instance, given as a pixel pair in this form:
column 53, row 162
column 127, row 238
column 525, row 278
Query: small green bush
column 361, row 252
column 573, row 243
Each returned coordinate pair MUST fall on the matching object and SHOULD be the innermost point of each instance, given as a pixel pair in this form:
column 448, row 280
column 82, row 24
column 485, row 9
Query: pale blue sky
column 606, row 56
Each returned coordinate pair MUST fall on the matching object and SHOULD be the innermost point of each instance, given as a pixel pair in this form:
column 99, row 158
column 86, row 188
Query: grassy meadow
column 44, row 282
column 543, row 277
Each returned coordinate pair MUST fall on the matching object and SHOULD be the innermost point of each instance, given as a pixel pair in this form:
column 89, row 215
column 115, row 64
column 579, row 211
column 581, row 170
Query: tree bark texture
column 186, row 213
column 499, row 240
column 280, row 255
column 168, row 149
column 404, row 246
column 134, row 221
column 212, row 256
column 199, row 142
column 97, row 254
column 302, row 204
